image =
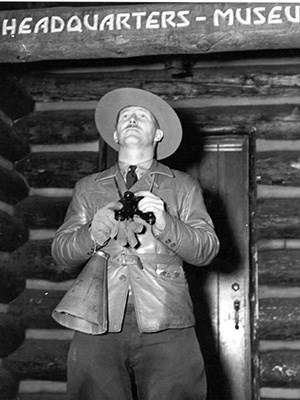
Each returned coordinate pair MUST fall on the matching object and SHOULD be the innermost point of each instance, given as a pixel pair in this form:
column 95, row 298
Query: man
column 150, row 348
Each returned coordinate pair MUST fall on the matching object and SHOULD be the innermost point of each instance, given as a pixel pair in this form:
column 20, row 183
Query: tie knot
column 132, row 168
column 131, row 176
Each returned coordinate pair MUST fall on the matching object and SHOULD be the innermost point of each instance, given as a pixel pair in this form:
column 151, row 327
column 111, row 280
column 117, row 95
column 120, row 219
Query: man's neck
column 144, row 165
column 126, row 158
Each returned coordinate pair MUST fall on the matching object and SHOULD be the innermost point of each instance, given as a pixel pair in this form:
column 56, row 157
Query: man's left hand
column 151, row 202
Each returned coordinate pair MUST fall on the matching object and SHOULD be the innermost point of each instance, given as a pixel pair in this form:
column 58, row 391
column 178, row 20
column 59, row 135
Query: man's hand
column 151, row 202
column 103, row 222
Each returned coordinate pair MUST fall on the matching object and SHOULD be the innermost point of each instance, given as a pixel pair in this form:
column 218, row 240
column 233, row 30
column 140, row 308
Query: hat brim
column 112, row 102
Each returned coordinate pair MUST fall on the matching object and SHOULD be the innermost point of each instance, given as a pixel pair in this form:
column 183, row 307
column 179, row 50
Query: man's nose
column 133, row 119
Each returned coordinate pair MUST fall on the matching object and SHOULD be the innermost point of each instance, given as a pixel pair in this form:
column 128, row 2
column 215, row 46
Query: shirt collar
column 140, row 170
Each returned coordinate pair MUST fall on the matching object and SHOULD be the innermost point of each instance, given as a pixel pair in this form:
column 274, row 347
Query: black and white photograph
column 149, row 200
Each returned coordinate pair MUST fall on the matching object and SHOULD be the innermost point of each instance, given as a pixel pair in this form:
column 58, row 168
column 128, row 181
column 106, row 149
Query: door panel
column 220, row 291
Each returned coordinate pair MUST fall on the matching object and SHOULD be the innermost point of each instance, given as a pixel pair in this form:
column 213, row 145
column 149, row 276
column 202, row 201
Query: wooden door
column 221, row 291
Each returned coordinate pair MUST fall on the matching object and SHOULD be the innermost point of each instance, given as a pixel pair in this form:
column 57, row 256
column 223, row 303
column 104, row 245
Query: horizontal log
column 279, row 267
column 279, row 318
column 15, row 101
column 8, row 385
column 111, row 33
column 13, row 186
column 42, row 212
column 57, row 169
column 12, row 334
column 187, row 82
column 33, row 261
column 278, row 168
column 280, row 368
column 11, row 283
column 13, row 145
column 33, row 308
column 277, row 218
column 60, row 127
column 271, row 121
column 73, row 126
column 39, row 359
column 13, row 232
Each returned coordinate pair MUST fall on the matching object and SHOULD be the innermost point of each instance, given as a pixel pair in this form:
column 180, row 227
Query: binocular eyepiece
column 130, row 209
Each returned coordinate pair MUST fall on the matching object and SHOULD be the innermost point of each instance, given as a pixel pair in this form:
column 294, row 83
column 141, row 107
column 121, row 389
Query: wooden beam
column 12, row 334
column 75, row 124
column 147, row 29
column 277, row 218
column 33, row 308
column 213, row 81
column 13, row 232
column 12, row 282
column 60, row 127
column 42, row 212
column 279, row 318
column 8, row 384
column 280, row 368
column 278, row 168
column 13, row 185
column 60, row 170
column 279, row 267
column 39, row 359
column 13, row 145
column 15, row 101
column 32, row 261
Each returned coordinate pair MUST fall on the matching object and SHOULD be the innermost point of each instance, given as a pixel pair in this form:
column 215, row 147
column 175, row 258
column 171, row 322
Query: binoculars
column 130, row 209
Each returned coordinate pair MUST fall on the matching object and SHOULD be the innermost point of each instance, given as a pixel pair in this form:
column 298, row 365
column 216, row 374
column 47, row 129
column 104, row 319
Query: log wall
column 15, row 102
column 213, row 95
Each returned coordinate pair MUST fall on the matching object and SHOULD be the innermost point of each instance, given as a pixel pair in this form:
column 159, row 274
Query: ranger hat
column 111, row 103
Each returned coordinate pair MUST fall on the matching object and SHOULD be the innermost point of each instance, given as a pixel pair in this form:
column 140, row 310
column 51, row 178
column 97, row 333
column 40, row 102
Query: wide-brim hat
column 112, row 102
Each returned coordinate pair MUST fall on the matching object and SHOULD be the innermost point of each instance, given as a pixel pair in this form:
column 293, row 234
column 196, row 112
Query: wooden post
column 146, row 29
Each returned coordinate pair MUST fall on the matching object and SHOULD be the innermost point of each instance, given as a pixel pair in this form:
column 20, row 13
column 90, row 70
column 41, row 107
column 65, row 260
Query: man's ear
column 158, row 135
column 116, row 139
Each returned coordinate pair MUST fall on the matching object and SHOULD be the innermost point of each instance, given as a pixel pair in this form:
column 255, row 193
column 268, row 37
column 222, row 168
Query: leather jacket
column 154, row 270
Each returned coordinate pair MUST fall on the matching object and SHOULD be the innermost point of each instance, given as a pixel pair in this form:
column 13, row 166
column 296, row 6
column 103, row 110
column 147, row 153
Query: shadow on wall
column 191, row 153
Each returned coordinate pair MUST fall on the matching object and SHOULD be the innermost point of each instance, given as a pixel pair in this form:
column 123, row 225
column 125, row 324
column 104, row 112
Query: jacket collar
column 156, row 173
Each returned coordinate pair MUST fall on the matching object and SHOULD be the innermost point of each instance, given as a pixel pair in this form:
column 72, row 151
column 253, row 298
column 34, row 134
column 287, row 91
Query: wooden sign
column 146, row 29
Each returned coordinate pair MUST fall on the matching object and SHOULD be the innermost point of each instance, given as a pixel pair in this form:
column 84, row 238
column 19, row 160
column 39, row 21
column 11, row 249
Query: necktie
column 131, row 176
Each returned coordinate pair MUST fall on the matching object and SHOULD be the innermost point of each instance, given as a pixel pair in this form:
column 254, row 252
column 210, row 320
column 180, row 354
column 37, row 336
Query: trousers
column 131, row 365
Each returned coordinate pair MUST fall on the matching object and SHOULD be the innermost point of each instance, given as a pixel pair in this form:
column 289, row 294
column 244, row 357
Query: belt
column 125, row 258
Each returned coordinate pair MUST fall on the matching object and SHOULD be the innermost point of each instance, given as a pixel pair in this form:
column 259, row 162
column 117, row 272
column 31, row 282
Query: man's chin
column 133, row 137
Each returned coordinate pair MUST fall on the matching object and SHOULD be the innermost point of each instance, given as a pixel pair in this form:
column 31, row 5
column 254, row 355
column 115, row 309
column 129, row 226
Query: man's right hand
column 103, row 221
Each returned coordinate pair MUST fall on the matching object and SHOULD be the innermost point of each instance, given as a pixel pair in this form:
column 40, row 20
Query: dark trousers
column 166, row 365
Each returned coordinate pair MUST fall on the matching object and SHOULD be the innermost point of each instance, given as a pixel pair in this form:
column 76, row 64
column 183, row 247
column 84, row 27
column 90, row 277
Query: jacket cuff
column 87, row 243
column 165, row 236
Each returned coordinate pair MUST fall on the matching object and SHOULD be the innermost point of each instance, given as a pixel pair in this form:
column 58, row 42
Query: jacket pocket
column 171, row 273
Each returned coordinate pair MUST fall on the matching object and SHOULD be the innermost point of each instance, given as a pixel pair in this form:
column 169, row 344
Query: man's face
column 137, row 127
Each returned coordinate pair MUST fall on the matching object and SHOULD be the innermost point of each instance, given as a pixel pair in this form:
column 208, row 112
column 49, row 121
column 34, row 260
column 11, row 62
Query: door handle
column 236, row 305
